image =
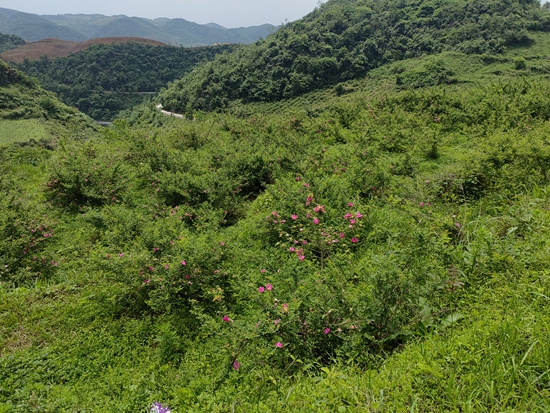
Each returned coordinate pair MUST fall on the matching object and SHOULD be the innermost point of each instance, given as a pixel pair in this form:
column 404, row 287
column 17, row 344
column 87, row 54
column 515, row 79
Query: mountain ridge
column 80, row 27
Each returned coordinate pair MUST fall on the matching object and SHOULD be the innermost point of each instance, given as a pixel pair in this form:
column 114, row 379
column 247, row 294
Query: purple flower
column 158, row 408
column 236, row 364
column 261, row 289
column 226, row 319
column 326, row 330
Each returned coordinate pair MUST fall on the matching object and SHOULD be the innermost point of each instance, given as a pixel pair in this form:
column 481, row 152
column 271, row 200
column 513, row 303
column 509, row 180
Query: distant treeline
column 344, row 39
column 8, row 42
column 92, row 80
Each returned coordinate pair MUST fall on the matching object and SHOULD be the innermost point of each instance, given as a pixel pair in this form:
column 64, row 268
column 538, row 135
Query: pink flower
column 263, row 270
column 151, row 268
column 421, row 204
column 261, row 289
column 326, row 330
column 294, row 217
column 121, row 255
column 291, row 249
column 354, row 240
column 285, row 308
column 306, row 185
column 347, row 216
column 269, row 287
column 457, row 224
column 358, row 215
column 279, row 344
column 342, row 235
column 236, row 365
column 352, row 221
column 276, row 322
column 316, row 221
column 350, row 204
column 301, row 257
column 183, row 263
column 166, row 266
column 226, row 319
column 297, row 178
column 222, row 243
column 146, row 281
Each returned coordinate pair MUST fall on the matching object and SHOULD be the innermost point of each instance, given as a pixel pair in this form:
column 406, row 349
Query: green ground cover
column 21, row 131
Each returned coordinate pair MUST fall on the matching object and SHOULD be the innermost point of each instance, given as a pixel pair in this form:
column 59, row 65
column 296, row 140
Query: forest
column 379, row 244
column 107, row 79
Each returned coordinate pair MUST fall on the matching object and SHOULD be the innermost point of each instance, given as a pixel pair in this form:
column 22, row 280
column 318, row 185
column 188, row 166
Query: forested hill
column 107, row 78
column 344, row 39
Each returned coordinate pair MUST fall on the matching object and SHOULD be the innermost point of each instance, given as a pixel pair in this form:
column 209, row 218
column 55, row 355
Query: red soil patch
column 59, row 48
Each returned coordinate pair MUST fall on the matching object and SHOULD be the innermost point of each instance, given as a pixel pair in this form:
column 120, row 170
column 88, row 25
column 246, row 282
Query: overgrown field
column 382, row 254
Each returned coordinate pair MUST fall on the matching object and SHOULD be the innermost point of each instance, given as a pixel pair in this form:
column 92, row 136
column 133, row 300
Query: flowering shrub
column 25, row 233
column 312, row 233
column 87, row 175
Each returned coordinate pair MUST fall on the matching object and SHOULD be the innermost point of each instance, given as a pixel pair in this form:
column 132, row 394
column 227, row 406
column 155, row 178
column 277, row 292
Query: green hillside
column 377, row 245
column 29, row 112
column 343, row 40
column 106, row 79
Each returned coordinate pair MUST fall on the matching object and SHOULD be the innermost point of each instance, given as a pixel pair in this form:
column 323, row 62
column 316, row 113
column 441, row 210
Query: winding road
column 165, row 112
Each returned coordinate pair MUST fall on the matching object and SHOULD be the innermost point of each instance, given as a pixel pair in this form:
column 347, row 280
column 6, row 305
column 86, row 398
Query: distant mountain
column 32, row 27
column 80, row 27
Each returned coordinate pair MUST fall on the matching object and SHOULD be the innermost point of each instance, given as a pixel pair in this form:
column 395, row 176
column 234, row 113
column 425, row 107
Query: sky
column 228, row 13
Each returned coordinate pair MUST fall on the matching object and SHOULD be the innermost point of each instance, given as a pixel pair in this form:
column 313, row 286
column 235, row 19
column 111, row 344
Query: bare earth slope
column 53, row 48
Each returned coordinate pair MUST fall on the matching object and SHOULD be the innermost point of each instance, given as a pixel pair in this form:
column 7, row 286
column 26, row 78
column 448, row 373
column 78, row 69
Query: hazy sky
column 228, row 13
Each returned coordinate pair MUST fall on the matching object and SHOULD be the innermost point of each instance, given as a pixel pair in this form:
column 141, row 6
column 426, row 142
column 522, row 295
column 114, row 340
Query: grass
column 12, row 131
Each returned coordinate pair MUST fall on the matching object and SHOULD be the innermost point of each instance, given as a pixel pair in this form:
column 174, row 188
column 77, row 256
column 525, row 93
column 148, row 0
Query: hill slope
column 29, row 112
column 342, row 40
